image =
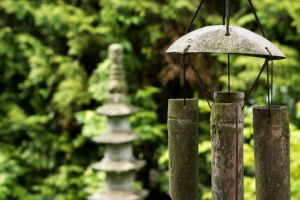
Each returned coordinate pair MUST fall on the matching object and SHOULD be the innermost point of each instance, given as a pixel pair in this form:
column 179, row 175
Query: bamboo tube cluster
column 271, row 145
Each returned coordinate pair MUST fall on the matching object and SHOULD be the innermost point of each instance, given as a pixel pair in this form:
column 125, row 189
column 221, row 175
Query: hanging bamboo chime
column 271, row 132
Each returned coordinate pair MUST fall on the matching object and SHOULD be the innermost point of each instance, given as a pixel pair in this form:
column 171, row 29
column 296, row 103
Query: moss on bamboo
column 183, row 149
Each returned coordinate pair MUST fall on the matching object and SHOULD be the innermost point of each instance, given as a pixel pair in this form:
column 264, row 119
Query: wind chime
column 271, row 131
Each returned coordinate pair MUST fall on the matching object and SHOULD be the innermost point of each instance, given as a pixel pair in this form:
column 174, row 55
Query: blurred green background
column 53, row 69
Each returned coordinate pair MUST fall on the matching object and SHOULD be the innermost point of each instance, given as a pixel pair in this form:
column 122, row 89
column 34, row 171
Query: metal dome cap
column 213, row 39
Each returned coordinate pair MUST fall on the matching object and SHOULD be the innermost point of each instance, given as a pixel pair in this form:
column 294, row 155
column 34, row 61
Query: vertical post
column 227, row 146
column 272, row 154
column 183, row 129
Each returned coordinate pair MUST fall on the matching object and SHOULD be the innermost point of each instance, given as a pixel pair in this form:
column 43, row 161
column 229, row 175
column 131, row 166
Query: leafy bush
column 53, row 75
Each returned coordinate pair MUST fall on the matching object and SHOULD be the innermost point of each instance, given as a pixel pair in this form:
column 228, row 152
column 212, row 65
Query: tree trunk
column 272, row 154
column 227, row 146
column 183, row 132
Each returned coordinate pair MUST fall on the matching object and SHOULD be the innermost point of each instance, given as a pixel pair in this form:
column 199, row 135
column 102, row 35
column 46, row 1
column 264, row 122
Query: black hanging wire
column 186, row 49
column 184, row 73
column 204, row 90
column 227, row 5
column 226, row 16
column 272, row 80
column 255, row 83
column 223, row 11
column 228, row 76
column 270, row 84
column 184, row 79
column 268, row 88
column 257, row 18
column 266, row 64
column 194, row 17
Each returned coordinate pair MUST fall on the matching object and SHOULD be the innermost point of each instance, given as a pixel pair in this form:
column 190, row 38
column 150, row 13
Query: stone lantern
column 118, row 162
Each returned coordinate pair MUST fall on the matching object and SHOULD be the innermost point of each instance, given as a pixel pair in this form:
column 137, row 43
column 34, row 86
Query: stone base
column 119, row 195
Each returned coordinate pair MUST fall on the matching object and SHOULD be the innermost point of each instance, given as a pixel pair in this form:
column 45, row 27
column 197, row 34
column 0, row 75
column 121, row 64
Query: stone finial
column 115, row 53
column 116, row 103
column 117, row 87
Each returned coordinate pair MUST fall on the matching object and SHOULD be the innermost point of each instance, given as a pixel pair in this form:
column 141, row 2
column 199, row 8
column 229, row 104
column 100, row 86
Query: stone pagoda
column 118, row 163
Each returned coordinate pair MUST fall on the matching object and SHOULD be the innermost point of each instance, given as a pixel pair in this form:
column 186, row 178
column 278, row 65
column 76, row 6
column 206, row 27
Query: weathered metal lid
column 212, row 39
column 107, row 165
column 115, row 138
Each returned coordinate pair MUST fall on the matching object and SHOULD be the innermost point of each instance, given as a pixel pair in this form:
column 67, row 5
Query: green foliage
column 53, row 76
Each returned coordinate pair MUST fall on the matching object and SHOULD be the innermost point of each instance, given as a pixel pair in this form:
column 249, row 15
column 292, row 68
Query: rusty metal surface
column 212, row 39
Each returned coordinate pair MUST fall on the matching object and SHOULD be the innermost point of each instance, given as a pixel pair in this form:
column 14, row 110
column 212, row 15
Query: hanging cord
column 268, row 88
column 184, row 79
column 270, row 85
column 256, row 18
column 184, row 73
column 186, row 49
column 194, row 17
column 223, row 11
column 228, row 76
column 255, row 83
column 227, row 2
column 272, row 74
column 272, row 80
column 204, row 90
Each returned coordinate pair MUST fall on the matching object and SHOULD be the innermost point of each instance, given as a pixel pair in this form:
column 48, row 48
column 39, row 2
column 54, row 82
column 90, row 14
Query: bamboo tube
column 272, row 154
column 183, row 130
column 227, row 146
